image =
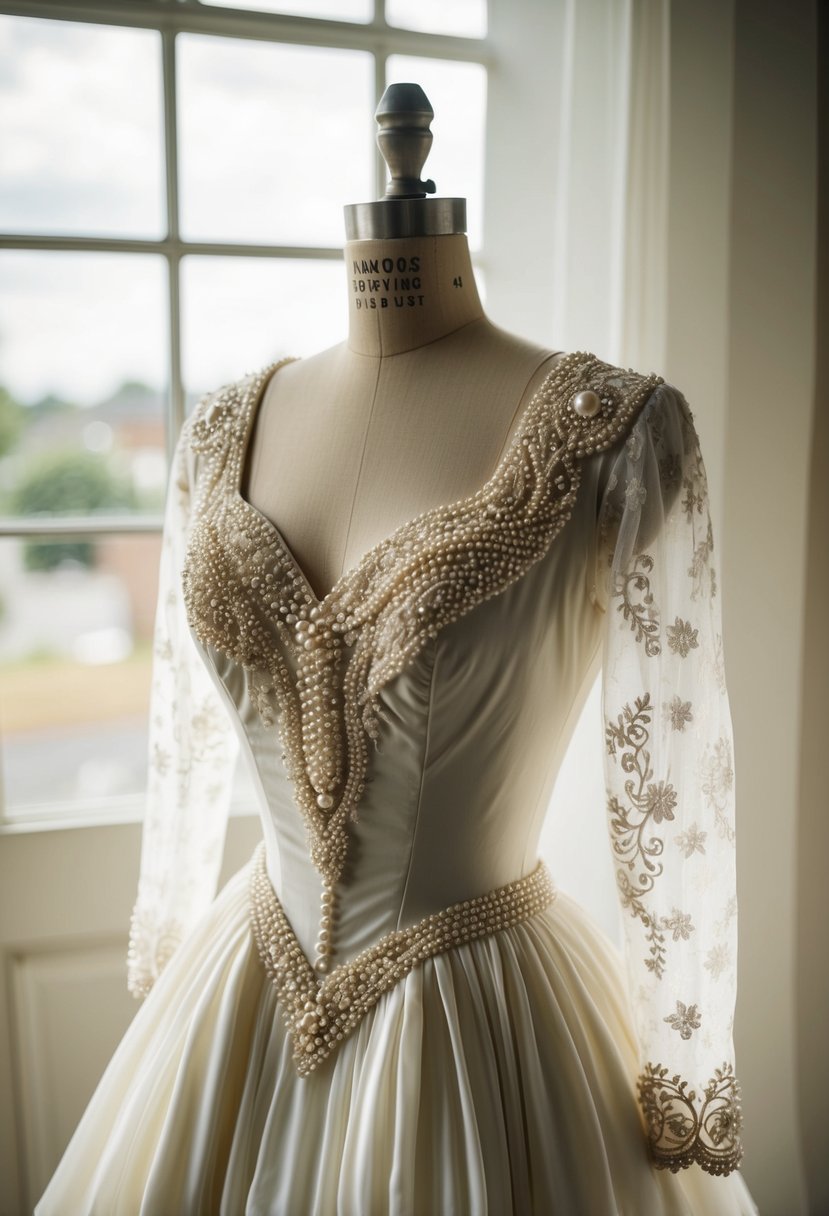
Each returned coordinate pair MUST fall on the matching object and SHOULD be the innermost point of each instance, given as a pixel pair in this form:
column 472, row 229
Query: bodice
column 471, row 734
column 405, row 731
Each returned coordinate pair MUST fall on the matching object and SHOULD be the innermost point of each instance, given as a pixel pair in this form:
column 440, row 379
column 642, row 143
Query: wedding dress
column 391, row 1009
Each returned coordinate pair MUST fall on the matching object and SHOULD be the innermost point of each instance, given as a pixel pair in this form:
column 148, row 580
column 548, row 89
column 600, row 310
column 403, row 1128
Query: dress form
column 414, row 410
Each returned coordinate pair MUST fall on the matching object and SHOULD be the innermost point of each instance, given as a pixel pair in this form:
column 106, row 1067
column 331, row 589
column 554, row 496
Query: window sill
column 109, row 812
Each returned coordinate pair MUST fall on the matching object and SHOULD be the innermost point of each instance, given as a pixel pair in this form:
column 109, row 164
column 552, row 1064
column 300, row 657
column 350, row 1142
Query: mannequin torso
column 413, row 411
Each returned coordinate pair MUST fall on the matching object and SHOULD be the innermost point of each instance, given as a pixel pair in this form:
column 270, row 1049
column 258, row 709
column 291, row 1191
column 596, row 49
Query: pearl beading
column 319, row 1014
column 317, row 667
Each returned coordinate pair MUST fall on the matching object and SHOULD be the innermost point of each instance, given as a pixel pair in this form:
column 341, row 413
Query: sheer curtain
column 610, row 209
column 610, row 295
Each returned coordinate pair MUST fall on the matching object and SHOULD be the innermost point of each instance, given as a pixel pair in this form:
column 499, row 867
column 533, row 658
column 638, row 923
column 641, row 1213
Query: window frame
column 170, row 18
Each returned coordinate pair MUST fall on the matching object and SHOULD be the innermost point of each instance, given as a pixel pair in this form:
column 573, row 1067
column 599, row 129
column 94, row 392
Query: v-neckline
column 322, row 605
column 317, row 667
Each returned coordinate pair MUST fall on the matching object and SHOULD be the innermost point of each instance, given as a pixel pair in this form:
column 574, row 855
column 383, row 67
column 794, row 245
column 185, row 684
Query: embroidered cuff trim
column 151, row 946
column 685, row 1128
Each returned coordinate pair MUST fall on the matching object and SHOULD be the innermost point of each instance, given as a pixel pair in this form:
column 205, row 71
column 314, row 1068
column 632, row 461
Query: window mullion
column 380, row 58
column 256, row 24
column 168, row 52
column 175, row 393
column 73, row 526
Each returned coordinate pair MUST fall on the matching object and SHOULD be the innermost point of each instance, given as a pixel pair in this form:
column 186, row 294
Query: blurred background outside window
column 170, row 219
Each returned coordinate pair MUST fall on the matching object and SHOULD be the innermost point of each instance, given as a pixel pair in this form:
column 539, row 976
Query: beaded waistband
column 319, row 1014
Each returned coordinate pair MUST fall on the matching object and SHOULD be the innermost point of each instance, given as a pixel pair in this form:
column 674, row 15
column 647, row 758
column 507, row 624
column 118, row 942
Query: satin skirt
column 497, row 1079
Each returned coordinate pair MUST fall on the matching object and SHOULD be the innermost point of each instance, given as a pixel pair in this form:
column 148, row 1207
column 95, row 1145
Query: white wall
column 770, row 420
column 741, row 341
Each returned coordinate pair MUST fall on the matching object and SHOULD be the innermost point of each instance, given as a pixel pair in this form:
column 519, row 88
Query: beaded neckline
column 257, row 395
column 317, row 667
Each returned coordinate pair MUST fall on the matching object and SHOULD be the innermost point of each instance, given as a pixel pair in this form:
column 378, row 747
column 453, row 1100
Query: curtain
column 610, row 297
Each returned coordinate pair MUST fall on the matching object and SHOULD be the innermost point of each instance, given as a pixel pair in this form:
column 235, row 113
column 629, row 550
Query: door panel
column 65, row 900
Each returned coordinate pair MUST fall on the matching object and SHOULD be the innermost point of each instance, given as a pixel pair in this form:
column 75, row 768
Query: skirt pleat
column 496, row 1079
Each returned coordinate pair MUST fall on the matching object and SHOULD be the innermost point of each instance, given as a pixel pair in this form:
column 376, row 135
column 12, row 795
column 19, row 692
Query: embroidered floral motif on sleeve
column 670, row 473
column 695, row 506
column 692, row 841
column 718, row 785
column 679, row 923
column 670, row 784
column 718, row 961
column 637, row 606
column 686, row 1019
column 191, row 751
column 646, row 801
column 635, row 493
column 660, row 800
column 682, row 638
column 678, row 713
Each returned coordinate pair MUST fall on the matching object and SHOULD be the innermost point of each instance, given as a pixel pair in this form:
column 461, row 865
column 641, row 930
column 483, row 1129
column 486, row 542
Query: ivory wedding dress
column 390, row 1009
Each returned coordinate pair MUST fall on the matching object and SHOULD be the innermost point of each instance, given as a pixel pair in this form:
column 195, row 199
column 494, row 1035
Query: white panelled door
column 66, row 894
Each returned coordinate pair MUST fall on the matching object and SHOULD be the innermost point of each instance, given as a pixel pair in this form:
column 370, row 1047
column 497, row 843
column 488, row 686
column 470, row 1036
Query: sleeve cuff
column 687, row 1128
column 151, row 946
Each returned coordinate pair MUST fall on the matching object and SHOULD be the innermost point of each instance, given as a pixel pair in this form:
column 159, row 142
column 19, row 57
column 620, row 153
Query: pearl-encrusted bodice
column 404, row 732
column 404, row 780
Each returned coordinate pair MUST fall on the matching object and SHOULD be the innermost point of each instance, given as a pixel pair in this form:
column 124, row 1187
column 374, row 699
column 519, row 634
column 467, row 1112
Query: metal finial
column 404, row 117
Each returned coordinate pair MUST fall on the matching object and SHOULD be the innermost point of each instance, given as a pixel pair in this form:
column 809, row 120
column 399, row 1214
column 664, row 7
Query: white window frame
column 169, row 18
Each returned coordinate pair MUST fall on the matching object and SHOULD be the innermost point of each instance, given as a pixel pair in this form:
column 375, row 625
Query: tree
column 68, row 482
column 11, row 420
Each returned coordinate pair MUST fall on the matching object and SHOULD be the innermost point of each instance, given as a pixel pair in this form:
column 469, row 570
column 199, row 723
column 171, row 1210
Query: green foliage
column 11, row 420
column 51, row 404
column 68, row 482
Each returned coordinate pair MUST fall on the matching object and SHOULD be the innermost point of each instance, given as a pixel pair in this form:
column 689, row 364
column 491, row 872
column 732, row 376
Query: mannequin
column 460, row 1037
column 416, row 408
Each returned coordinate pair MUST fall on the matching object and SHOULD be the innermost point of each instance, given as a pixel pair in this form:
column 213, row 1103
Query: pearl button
column 587, row 403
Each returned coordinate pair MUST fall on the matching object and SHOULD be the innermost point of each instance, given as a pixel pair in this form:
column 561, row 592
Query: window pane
column 274, row 140
column 82, row 382
column 81, row 138
column 75, row 668
column 464, row 18
column 242, row 313
column 75, row 657
column 334, row 10
column 457, row 93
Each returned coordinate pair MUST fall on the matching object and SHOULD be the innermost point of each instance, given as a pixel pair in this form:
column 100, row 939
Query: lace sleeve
column 192, row 747
column 670, row 784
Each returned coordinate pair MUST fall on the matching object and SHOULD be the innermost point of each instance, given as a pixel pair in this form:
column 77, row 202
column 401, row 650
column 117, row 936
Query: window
column 170, row 217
